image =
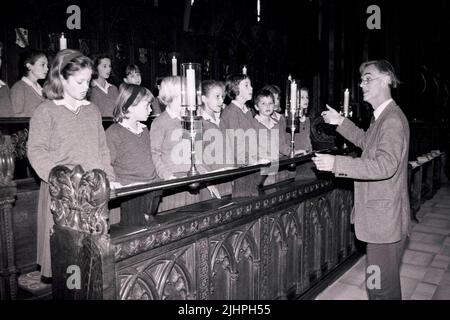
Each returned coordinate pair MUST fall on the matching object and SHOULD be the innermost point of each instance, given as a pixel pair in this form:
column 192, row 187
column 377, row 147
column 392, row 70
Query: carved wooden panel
column 166, row 277
column 235, row 263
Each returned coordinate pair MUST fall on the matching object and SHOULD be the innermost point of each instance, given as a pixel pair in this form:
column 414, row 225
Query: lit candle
column 190, row 86
column 244, row 70
column 293, row 96
column 289, row 78
column 346, row 101
column 62, row 42
column 174, row 66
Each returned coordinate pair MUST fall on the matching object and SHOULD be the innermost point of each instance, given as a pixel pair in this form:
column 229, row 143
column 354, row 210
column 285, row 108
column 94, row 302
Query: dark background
column 320, row 42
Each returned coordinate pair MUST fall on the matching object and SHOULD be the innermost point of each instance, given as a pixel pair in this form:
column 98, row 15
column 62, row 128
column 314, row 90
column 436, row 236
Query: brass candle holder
column 191, row 91
column 346, row 111
column 292, row 113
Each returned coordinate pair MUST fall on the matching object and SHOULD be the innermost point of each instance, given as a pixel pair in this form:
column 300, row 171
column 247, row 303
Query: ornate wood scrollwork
column 79, row 199
column 6, row 161
column 19, row 142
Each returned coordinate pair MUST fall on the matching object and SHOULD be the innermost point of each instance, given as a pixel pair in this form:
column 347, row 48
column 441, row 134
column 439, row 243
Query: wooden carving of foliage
column 79, row 199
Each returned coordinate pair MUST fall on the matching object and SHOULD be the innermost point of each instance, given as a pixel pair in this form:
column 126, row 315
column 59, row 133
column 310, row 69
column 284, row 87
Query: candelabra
column 191, row 91
column 293, row 111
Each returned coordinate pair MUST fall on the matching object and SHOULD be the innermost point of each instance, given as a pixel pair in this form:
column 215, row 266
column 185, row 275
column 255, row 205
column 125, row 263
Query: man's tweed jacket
column 381, row 212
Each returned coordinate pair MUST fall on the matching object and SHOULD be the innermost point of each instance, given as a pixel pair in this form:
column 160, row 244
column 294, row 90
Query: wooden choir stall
column 263, row 241
column 279, row 236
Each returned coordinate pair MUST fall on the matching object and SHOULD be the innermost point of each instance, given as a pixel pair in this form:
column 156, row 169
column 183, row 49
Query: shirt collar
column 139, row 129
column 260, row 119
column 207, row 117
column 379, row 110
column 36, row 87
column 105, row 88
column 78, row 103
column 2, row 83
column 172, row 114
column 276, row 116
column 242, row 107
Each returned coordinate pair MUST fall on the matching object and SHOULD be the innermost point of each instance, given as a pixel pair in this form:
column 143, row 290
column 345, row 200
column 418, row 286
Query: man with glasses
column 381, row 209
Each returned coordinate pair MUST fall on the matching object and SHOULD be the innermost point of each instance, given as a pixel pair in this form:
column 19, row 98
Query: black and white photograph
column 235, row 152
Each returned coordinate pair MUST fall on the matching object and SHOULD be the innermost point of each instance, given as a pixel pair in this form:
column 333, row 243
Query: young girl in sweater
column 213, row 144
column 170, row 152
column 26, row 94
column 213, row 147
column 303, row 137
column 103, row 94
column 237, row 122
column 128, row 139
column 66, row 130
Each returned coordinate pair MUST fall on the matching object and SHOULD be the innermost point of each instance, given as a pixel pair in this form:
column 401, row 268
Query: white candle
column 190, row 87
column 293, row 96
column 346, row 101
column 174, row 66
column 62, row 42
column 244, row 70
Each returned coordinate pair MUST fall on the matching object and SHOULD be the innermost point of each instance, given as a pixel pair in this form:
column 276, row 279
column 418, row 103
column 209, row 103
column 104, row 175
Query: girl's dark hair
column 131, row 68
column 65, row 64
column 30, row 57
column 232, row 84
column 126, row 92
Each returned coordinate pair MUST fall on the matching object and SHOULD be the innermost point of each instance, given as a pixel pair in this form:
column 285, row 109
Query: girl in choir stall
column 166, row 132
column 170, row 152
column 26, row 94
column 213, row 144
column 213, row 148
column 103, row 94
column 5, row 98
column 237, row 122
column 66, row 130
column 132, row 75
column 302, row 138
column 128, row 139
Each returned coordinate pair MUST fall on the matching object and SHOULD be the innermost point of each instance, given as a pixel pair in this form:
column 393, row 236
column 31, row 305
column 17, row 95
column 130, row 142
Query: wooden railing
column 273, row 241
column 424, row 178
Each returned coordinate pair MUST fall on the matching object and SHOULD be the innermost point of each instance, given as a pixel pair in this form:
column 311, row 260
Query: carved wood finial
column 6, row 161
column 79, row 199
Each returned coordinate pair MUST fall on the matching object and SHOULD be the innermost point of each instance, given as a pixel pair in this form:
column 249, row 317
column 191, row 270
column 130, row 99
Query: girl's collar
column 263, row 121
column 35, row 86
column 206, row 116
column 98, row 85
column 138, row 131
column 78, row 104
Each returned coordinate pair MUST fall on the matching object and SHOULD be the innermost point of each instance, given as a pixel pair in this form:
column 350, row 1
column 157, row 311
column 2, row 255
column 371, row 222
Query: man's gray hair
column 383, row 66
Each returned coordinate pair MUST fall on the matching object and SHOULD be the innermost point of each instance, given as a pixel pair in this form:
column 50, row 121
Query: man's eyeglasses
column 366, row 81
